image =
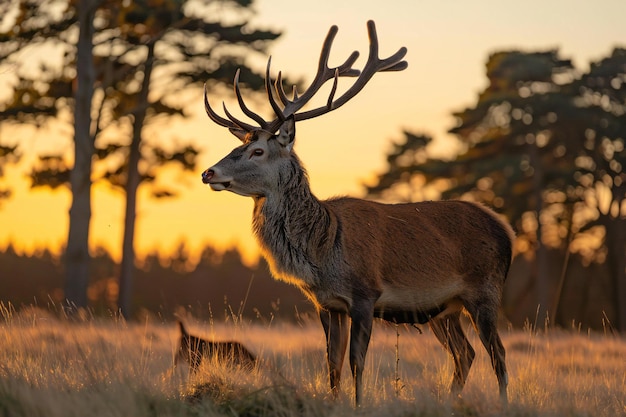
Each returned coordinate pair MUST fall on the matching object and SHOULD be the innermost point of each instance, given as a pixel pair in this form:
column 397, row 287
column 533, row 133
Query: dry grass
column 56, row 368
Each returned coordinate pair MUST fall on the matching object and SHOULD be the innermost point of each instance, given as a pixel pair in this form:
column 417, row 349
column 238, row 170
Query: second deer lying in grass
column 193, row 349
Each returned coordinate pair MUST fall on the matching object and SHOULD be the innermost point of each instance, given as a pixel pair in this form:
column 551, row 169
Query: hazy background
column 188, row 248
column 448, row 43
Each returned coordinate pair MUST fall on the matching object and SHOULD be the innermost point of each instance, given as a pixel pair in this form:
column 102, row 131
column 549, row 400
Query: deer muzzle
column 216, row 181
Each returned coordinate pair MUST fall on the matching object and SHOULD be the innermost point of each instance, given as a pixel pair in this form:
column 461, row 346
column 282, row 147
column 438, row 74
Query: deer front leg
column 362, row 319
column 335, row 325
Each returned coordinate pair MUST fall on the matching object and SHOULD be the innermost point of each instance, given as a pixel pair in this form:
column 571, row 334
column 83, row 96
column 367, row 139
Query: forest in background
column 543, row 144
column 221, row 287
column 218, row 286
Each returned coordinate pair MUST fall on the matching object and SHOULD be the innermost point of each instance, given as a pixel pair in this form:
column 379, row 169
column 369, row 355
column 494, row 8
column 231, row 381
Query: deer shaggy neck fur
column 297, row 233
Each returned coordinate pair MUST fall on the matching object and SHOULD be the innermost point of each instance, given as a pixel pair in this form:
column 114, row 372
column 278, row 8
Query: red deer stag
column 406, row 263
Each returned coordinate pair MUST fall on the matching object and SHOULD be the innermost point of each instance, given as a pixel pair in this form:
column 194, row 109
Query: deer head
column 268, row 141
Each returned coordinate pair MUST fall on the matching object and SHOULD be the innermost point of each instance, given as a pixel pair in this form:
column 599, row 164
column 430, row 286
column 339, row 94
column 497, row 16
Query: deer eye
column 257, row 152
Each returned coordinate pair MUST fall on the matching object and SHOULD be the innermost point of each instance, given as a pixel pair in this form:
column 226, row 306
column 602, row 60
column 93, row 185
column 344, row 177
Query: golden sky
column 448, row 44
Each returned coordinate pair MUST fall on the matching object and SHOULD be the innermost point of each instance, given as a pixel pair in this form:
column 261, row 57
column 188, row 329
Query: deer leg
column 361, row 330
column 335, row 326
column 449, row 332
column 484, row 315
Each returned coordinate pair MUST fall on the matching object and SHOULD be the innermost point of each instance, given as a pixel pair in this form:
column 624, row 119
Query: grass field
column 100, row 367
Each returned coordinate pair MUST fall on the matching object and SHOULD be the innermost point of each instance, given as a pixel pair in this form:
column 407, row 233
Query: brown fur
column 193, row 349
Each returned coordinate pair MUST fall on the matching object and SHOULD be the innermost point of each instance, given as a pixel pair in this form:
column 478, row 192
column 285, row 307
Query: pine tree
column 107, row 79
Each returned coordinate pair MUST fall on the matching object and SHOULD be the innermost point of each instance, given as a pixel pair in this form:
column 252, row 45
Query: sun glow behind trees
column 448, row 45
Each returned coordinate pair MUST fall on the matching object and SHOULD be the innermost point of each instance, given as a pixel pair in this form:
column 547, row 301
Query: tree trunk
column 558, row 294
column 127, row 268
column 77, row 251
column 615, row 241
column 540, row 266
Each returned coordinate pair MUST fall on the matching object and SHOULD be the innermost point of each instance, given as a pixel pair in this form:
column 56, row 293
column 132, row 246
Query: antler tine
column 254, row 116
column 374, row 64
column 278, row 87
column 333, row 90
column 325, row 53
column 238, row 123
column 234, row 123
column 272, row 126
column 346, row 70
column 393, row 63
column 214, row 116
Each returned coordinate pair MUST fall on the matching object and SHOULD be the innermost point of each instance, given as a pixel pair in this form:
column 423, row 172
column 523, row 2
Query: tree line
column 218, row 285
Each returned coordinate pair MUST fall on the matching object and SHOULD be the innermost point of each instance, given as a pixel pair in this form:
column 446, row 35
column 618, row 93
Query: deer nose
column 207, row 175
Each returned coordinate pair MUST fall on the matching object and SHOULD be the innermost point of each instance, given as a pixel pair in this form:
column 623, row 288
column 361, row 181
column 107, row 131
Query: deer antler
column 324, row 73
column 374, row 64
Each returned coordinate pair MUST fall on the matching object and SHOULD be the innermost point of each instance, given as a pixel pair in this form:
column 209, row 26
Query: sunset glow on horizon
column 448, row 44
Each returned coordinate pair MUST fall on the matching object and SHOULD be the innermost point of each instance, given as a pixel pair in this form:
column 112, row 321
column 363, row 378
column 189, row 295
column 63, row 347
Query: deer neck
column 295, row 229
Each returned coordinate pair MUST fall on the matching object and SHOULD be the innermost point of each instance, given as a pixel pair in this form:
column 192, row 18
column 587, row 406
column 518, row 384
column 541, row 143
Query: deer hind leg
column 361, row 331
column 449, row 332
column 336, row 328
column 485, row 316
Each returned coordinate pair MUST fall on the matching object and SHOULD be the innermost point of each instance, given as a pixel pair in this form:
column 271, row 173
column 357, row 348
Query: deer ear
column 287, row 133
